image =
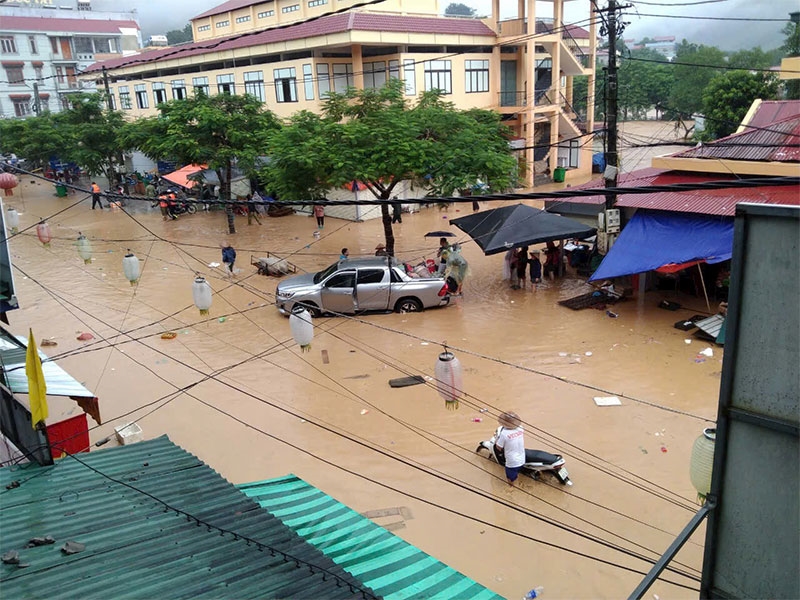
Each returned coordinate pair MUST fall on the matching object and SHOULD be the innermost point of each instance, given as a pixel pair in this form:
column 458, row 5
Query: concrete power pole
column 37, row 105
column 108, row 90
column 611, row 157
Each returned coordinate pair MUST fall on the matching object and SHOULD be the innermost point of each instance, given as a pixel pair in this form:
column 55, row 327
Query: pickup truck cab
column 377, row 283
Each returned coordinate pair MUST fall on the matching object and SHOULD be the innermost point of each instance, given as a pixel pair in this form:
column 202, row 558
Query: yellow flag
column 37, row 388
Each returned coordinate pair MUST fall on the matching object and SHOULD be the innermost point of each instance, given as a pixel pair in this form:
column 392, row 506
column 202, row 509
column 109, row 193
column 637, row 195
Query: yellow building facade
column 278, row 52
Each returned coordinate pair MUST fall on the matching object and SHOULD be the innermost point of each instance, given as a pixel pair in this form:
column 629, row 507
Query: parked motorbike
column 536, row 461
column 183, row 207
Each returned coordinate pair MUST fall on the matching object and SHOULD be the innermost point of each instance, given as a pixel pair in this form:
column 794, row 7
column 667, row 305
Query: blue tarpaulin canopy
column 653, row 239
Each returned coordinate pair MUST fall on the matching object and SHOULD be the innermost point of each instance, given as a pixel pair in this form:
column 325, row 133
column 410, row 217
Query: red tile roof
column 707, row 202
column 11, row 23
column 772, row 111
column 775, row 142
column 226, row 6
column 334, row 24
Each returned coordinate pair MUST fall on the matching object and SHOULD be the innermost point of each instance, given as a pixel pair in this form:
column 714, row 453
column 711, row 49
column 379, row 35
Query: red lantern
column 8, row 182
column 43, row 232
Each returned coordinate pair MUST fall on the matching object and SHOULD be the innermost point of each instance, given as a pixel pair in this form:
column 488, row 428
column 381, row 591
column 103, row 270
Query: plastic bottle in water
column 534, row 593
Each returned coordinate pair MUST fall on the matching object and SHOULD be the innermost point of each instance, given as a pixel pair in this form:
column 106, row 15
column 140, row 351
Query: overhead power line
column 703, row 66
column 747, row 19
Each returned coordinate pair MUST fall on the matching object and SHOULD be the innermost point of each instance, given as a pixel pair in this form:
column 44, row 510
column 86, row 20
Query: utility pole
column 108, row 90
column 37, row 105
column 611, row 157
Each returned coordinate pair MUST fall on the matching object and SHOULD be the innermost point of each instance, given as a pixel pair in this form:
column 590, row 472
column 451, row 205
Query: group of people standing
column 518, row 261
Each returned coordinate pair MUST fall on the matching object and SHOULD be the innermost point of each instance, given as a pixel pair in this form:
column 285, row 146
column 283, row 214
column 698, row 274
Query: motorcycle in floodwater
column 536, row 461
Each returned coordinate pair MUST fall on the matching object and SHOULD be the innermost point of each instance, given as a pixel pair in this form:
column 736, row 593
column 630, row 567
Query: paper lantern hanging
column 131, row 268
column 12, row 219
column 84, row 248
column 8, row 182
column 702, row 462
column 43, row 233
column 302, row 329
column 449, row 380
column 201, row 293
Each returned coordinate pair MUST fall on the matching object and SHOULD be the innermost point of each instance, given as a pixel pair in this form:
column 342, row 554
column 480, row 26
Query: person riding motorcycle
column 167, row 203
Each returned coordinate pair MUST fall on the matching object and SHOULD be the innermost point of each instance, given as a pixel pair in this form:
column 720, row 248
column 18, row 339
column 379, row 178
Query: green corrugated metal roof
column 391, row 566
column 137, row 549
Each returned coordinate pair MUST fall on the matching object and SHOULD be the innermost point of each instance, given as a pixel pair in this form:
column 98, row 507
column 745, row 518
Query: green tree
column 645, row 81
column 457, row 9
column 93, row 135
column 754, row 58
column 214, row 130
column 85, row 133
column 693, row 70
column 180, row 36
column 790, row 48
column 729, row 95
column 375, row 137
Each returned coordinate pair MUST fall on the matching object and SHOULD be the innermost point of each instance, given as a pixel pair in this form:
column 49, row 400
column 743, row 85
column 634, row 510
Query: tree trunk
column 387, row 226
column 225, row 192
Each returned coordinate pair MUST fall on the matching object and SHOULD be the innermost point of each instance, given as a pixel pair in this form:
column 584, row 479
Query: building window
column 201, row 28
column 124, row 97
column 410, row 76
column 323, row 79
column 178, row 89
column 60, row 74
column 342, row 77
column 254, row 84
column 141, row 95
column 292, row 8
column 22, row 107
column 14, row 75
column 44, row 104
column 54, row 45
column 226, row 84
column 8, row 45
column 394, row 69
column 200, row 85
column 159, row 93
column 308, row 82
column 224, row 23
column 37, row 70
column 313, row 3
column 477, row 75
column 243, row 19
column 285, row 85
column 83, row 45
column 374, row 75
column 438, row 76
column 573, row 154
column 266, row 13
column 32, row 43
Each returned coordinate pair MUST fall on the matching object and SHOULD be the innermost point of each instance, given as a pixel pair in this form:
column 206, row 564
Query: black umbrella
column 501, row 229
column 440, row 234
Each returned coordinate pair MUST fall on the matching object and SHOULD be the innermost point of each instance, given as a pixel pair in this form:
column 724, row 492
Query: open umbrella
column 440, row 234
column 500, row 229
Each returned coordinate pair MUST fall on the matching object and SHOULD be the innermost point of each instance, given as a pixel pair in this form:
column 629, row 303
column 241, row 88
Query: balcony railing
column 513, row 98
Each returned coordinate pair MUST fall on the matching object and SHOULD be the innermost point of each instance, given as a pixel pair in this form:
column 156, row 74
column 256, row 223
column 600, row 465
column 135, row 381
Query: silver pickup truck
column 377, row 283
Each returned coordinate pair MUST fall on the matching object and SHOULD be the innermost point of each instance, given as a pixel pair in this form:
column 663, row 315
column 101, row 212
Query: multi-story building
column 521, row 67
column 45, row 45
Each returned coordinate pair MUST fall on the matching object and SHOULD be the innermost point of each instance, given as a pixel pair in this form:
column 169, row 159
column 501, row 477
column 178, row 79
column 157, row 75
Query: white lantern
column 131, row 268
column 449, row 381
column 702, row 462
column 43, row 233
column 302, row 329
column 84, row 248
column 201, row 292
column 12, row 216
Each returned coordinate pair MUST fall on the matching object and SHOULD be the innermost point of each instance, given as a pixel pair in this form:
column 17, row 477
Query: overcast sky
column 154, row 18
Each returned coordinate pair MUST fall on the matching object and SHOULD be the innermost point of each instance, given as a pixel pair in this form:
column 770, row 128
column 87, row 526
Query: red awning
column 12, row 63
column 675, row 267
column 181, row 176
column 20, row 96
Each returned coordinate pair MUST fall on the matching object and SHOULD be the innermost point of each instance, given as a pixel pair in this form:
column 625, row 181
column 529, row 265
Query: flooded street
column 234, row 389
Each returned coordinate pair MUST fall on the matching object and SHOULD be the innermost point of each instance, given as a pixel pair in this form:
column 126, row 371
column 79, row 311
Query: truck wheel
column 408, row 305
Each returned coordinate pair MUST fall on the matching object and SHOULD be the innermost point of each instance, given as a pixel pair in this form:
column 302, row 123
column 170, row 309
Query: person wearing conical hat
column 510, row 444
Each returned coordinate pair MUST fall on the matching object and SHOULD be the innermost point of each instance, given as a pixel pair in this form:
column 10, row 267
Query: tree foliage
column 644, row 84
column 376, row 137
column 457, row 9
column 693, row 71
column 180, row 36
column 214, row 130
column 729, row 95
column 790, row 48
column 85, row 133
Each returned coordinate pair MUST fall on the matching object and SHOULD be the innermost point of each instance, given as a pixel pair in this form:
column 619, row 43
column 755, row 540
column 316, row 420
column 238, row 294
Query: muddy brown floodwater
column 259, row 408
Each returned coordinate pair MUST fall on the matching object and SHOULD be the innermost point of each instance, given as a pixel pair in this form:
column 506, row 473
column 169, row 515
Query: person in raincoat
column 457, row 268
